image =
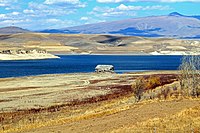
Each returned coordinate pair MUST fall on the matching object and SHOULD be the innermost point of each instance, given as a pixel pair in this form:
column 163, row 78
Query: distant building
column 104, row 68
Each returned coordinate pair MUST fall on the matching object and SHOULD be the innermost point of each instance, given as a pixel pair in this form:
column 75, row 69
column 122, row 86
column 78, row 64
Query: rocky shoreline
column 25, row 54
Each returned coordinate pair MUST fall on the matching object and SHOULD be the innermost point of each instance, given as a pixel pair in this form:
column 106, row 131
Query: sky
column 55, row 14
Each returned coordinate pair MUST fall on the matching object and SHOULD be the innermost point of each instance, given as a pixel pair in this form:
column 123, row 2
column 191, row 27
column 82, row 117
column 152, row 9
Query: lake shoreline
column 155, row 53
column 4, row 57
column 91, row 73
column 25, row 54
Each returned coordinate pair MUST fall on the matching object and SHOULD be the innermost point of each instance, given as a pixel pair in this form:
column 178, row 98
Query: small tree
column 138, row 88
column 190, row 75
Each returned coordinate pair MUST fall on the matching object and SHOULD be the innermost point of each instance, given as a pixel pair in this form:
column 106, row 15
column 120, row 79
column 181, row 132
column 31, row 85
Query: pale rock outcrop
column 25, row 54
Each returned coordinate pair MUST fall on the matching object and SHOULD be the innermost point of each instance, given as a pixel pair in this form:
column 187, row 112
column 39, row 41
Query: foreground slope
column 162, row 117
column 91, row 102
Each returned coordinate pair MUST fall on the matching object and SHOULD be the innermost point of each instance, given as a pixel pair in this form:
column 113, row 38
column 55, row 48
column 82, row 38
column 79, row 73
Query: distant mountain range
column 12, row 30
column 174, row 25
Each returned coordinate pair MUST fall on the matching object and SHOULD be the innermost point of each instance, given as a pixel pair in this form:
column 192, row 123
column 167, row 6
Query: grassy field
column 94, row 103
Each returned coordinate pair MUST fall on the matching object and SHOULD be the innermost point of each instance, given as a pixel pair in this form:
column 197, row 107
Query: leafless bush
column 152, row 82
column 138, row 88
column 165, row 92
column 190, row 75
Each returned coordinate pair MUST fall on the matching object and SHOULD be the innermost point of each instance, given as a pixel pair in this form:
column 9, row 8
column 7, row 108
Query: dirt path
column 140, row 113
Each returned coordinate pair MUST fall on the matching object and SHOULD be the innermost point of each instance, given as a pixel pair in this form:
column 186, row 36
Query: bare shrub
column 190, row 75
column 165, row 92
column 152, row 82
column 138, row 88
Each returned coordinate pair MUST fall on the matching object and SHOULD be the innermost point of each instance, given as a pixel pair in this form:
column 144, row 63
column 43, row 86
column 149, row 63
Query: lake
column 87, row 63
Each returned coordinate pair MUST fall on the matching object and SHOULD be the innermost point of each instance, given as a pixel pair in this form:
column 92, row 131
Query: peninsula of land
column 25, row 54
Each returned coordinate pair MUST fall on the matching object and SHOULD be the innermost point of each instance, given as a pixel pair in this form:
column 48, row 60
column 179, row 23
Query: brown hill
column 97, row 44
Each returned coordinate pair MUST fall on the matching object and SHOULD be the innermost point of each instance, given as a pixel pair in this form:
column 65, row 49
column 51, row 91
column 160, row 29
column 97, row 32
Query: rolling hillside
column 98, row 44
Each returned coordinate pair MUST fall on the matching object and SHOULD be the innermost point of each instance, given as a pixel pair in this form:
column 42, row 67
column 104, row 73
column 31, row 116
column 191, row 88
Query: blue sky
column 50, row 14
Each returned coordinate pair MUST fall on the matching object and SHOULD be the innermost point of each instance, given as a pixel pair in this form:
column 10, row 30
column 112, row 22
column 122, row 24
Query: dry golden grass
column 87, row 112
column 188, row 120
column 115, row 114
column 109, row 116
column 185, row 120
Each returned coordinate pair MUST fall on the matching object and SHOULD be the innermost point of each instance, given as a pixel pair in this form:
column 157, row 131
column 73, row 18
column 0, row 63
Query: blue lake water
column 87, row 63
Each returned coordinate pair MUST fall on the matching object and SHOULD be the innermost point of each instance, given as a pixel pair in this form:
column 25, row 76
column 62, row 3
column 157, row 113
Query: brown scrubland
column 130, row 102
